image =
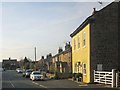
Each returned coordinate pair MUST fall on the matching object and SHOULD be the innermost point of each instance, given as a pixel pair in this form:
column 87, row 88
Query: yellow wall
column 82, row 54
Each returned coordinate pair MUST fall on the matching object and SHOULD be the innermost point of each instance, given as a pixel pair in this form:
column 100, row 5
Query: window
column 84, row 69
column 99, row 67
column 74, row 44
column 59, row 58
column 78, row 41
column 84, row 39
column 75, row 68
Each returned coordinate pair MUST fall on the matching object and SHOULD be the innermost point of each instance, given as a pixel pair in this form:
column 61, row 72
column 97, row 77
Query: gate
column 118, row 79
column 103, row 77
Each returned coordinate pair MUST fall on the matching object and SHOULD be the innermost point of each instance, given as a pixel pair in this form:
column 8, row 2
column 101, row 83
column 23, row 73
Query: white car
column 19, row 70
column 36, row 75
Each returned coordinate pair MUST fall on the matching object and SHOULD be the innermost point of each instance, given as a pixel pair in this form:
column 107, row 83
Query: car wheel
column 33, row 80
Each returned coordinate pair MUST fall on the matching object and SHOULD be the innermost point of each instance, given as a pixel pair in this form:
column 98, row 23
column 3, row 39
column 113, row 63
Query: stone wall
column 104, row 39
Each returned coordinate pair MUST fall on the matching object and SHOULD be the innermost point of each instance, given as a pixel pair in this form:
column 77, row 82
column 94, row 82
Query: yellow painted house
column 95, row 43
column 81, row 52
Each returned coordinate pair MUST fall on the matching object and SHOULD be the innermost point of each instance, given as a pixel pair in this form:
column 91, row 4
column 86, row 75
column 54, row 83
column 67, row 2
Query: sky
column 44, row 25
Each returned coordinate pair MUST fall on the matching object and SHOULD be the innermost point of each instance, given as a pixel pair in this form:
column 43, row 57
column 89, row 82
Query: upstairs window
column 84, row 39
column 74, row 44
column 78, row 41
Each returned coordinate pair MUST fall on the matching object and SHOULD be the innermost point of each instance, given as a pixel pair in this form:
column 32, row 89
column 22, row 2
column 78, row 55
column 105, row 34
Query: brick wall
column 104, row 39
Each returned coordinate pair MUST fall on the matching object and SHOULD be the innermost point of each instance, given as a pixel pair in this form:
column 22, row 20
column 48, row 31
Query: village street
column 11, row 79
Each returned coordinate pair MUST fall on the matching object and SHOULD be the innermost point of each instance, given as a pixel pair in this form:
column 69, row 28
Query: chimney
column 42, row 57
column 60, row 50
column 94, row 11
column 50, row 55
column 67, row 46
column 9, row 58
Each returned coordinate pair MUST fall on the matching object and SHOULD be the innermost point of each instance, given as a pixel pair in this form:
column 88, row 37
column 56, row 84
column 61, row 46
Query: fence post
column 117, row 79
column 94, row 75
column 113, row 77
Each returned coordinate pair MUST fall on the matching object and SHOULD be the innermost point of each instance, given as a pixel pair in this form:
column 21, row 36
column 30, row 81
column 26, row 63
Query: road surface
column 11, row 79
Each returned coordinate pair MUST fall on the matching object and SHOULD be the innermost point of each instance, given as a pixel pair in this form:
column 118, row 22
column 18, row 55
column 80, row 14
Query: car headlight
column 27, row 73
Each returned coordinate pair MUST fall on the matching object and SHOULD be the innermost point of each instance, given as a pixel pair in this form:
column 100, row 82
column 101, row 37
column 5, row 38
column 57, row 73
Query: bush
column 56, row 75
column 73, row 74
column 78, row 75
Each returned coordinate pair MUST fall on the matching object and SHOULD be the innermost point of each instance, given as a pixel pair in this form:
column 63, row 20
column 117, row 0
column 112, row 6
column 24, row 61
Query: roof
column 5, row 60
column 88, row 20
column 63, row 52
column 80, row 27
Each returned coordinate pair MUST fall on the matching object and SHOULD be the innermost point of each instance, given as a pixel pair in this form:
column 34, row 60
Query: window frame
column 84, row 39
column 74, row 44
column 78, row 42
column 84, row 69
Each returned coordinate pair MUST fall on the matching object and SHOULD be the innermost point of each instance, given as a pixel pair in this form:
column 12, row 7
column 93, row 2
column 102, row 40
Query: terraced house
column 62, row 61
column 95, row 42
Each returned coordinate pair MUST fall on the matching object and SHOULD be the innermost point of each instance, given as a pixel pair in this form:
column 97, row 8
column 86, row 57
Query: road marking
column 83, row 85
column 39, row 85
column 42, row 86
column 12, row 84
column 35, row 83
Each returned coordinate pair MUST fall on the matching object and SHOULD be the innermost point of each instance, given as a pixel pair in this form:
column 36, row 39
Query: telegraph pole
column 35, row 54
column 35, row 58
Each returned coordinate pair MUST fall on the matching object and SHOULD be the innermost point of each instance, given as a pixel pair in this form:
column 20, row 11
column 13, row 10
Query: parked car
column 4, row 69
column 28, row 72
column 19, row 70
column 36, row 75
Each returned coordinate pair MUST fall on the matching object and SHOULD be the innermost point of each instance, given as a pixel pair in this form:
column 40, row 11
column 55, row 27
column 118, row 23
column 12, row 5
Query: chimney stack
column 94, row 11
column 67, row 46
column 60, row 50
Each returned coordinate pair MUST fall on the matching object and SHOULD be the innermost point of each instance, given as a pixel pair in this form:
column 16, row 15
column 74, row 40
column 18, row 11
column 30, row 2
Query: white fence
column 118, row 79
column 103, row 77
column 109, row 78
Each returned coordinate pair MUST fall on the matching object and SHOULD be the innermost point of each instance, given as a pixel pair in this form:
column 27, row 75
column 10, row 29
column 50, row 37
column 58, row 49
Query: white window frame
column 74, row 44
column 84, row 39
column 78, row 42
column 75, row 68
column 84, row 69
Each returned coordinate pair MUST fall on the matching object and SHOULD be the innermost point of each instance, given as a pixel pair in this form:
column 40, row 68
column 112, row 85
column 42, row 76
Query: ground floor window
column 84, row 69
column 75, row 68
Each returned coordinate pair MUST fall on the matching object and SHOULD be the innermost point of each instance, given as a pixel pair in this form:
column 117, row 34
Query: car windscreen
column 29, row 71
column 35, row 73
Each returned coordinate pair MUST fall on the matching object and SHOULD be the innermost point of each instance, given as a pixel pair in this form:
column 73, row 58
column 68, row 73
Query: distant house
column 95, row 42
column 48, row 62
column 62, row 62
column 41, row 64
column 10, row 64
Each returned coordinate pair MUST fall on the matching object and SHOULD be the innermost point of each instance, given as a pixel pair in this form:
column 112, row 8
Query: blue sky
column 44, row 25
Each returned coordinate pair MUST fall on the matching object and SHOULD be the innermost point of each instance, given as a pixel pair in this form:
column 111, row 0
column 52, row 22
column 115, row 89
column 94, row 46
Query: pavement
column 11, row 79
